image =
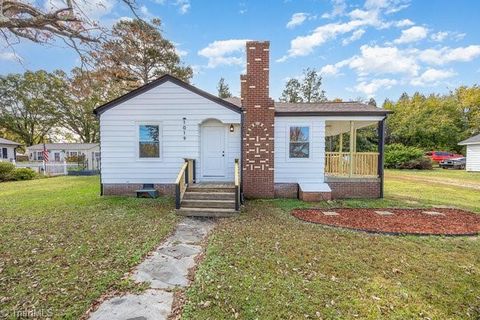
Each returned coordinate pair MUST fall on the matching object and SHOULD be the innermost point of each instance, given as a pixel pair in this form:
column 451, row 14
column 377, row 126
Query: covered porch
column 354, row 157
column 344, row 157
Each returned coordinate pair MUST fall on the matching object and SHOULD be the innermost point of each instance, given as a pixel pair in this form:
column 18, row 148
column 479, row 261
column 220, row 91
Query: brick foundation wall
column 258, row 123
column 314, row 196
column 128, row 189
column 286, row 190
column 354, row 188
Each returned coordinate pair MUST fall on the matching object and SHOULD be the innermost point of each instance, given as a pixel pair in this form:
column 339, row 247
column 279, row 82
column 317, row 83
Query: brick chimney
column 258, row 123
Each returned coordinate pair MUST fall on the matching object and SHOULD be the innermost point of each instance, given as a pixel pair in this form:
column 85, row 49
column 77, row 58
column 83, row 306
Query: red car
column 438, row 156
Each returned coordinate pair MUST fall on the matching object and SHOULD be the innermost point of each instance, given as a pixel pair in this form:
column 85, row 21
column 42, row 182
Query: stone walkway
column 165, row 269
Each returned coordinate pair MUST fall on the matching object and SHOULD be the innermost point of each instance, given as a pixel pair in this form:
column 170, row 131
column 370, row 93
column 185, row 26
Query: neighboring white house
column 58, row 152
column 168, row 131
column 473, row 153
column 7, row 150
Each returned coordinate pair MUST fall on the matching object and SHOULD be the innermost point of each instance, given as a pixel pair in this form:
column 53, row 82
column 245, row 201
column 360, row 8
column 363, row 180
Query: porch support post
column 352, row 146
column 381, row 147
column 340, row 149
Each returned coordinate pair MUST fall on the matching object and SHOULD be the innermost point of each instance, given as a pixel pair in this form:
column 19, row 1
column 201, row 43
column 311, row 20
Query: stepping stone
column 150, row 305
column 384, row 213
column 433, row 213
column 330, row 213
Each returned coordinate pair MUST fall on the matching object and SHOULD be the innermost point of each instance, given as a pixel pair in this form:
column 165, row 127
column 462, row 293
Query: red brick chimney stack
column 258, row 123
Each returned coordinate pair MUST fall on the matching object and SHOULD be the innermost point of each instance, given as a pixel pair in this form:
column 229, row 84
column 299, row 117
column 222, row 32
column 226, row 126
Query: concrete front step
column 207, row 212
column 210, row 189
column 225, row 204
column 209, row 196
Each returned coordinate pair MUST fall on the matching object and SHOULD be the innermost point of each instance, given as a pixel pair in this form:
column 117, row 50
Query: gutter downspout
column 381, row 155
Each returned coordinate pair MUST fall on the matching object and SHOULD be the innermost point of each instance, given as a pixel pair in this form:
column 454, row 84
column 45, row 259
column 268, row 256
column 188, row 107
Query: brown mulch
column 454, row 222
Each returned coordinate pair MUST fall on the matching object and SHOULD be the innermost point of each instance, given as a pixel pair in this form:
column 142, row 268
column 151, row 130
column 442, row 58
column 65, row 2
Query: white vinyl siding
column 473, row 157
column 298, row 170
column 10, row 152
column 166, row 104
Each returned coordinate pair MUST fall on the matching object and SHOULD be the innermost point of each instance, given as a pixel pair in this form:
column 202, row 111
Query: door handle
column 223, row 153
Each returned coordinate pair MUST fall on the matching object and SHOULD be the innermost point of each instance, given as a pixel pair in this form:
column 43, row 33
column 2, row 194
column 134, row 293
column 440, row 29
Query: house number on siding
column 184, row 128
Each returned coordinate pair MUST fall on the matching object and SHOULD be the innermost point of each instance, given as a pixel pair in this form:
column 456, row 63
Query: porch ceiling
column 333, row 127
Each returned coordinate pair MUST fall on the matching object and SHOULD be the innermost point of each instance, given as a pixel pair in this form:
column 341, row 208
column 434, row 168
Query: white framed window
column 299, row 142
column 149, row 135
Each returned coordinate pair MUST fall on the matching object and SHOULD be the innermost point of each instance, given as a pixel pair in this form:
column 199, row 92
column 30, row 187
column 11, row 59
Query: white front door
column 213, row 151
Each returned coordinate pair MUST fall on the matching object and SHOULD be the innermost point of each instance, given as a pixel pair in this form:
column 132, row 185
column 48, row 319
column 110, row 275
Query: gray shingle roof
column 471, row 140
column 322, row 108
column 64, row 146
column 10, row 142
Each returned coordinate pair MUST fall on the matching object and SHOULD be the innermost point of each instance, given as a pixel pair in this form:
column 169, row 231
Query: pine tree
column 223, row 89
column 138, row 53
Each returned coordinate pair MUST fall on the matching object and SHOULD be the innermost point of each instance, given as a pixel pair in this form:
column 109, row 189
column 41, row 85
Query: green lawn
column 265, row 264
column 62, row 245
column 436, row 187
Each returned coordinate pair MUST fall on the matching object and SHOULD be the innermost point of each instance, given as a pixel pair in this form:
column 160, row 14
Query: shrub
column 398, row 155
column 6, row 170
column 423, row 163
column 23, row 174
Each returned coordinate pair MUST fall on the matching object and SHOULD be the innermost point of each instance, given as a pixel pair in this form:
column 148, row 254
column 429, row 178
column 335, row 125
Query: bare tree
column 65, row 19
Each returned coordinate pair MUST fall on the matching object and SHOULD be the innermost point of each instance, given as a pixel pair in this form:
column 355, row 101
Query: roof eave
column 331, row 113
column 167, row 77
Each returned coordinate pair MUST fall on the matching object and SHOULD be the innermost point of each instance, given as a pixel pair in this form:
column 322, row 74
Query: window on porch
column 352, row 149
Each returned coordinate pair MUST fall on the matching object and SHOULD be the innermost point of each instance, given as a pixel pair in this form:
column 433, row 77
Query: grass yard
column 266, row 264
column 456, row 188
column 62, row 245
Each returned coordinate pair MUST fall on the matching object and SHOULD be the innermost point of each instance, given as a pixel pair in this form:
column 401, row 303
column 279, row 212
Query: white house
column 473, row 153
column 177, row 139
column 7, row 150
column 58, row 152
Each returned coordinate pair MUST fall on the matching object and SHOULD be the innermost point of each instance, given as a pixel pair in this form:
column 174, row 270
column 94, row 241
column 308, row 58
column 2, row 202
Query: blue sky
column 372, row 48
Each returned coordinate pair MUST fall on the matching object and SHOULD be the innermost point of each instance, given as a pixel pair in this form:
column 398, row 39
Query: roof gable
column 471, row 140
column 99, row 110
column 9, row 142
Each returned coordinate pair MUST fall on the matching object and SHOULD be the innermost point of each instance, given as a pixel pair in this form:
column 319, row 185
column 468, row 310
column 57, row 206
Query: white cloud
column 297, row 19
column 412, row 34
column 370, row 88
column 339, row 7
column 183, row 6
column 356, row 35
column 304, row 45
column 9, row 56
column 431, row 77
column 224, row 52
column 382, row 60
column 389, row 6
column 404, row 23
column 445, row 55
column 329, row 70
column 439, row 36
column 442, row 35
column 369, row 16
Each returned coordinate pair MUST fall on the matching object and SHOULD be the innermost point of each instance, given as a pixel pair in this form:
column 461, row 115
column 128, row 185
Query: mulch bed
column 453, row 222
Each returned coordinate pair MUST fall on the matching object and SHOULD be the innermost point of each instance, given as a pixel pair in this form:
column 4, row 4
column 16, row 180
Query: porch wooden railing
column 237, row 185
column 363, row 164
column 185, row 177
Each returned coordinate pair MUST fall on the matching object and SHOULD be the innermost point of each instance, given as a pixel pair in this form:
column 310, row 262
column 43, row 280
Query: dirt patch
column 437, row 221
